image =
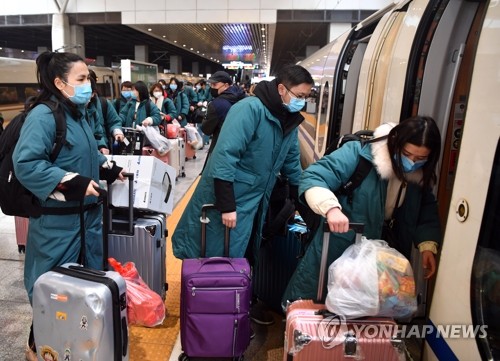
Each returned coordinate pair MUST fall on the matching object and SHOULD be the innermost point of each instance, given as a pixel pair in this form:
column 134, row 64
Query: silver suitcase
column 140, row 237
column 80, row 314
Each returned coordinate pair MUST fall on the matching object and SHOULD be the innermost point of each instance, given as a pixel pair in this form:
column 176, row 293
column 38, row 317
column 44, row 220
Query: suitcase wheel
column 21, row 248
column 194, row 157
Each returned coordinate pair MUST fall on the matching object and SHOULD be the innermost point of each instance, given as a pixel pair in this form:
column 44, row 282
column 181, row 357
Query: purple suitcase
column 215, row 303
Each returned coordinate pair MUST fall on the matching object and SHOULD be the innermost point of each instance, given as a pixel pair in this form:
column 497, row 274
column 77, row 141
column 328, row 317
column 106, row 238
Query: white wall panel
column 276, row 4
column 212, row 16
column 211, row 5
column 128, row 17
column 150, row 17
column 243, row 16
column 181, row 17
column 89, row 6
column 180, row 5
column 268, row 16
column 145, row 5
column 120, row 5
column 240, row 4
column 309, row 5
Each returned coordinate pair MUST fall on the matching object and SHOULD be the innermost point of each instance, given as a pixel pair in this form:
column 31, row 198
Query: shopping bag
column 144, row 306
column 157, row 141
column 371, row 279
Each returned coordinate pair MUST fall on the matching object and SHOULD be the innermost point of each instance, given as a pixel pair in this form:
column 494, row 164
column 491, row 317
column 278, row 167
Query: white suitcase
column 177, row 156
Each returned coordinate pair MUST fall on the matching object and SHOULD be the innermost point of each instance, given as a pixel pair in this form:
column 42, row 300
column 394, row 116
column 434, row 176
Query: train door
column 445, row 84
column 467, row 285
column 373, row 71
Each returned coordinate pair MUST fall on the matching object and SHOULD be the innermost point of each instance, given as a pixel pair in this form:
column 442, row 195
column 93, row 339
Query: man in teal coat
column 257, row 142
column 402, row 174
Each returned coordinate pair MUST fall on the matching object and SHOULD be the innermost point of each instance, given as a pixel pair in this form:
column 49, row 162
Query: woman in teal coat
column 140, row 110
column 402, row 173
column 258, row 141
column 61, row 186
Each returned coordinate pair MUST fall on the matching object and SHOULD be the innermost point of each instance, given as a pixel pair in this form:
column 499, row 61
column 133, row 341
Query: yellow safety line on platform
column 153, row 344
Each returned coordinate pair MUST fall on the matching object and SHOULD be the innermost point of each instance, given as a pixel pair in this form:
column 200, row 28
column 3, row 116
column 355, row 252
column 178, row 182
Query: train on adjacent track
column 439, row 58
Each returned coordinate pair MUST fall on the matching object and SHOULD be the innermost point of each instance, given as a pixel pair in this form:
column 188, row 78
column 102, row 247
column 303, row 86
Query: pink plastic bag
column 144, row 306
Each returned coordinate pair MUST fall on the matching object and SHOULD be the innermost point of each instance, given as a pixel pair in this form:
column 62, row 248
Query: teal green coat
column 55, row 239
column 250, row 153
column 416, row 219
column 128, row 112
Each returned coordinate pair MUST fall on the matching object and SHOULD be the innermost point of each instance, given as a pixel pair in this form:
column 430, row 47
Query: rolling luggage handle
column 130, row 177
column 356, row 227
column 204, row 220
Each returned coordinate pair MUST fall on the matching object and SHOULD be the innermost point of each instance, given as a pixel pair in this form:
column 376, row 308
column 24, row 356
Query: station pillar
column 175, row 64
column 195, row 68
column 141, row 53
column 77, row 40
column 60, row 32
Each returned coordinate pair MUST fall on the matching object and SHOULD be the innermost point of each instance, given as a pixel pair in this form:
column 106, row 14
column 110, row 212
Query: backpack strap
column 148, row 108
column 104, row 108
column 362, row 169
column 117, row 105
column 60, row 119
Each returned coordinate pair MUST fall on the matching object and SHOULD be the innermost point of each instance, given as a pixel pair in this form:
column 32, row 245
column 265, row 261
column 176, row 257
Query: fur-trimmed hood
column 382, row 158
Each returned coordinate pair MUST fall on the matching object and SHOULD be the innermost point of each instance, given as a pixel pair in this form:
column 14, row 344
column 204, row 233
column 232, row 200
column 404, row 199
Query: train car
column 18, row 82
column 439, row 58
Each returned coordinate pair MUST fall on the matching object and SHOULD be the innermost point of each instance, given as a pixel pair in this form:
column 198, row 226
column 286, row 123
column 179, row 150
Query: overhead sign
column 238, row 65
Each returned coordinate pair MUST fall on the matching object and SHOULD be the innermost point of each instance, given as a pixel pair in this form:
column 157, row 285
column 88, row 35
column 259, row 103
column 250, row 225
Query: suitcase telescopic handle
column 359, row 228
column 204, row 221
column 130, row 177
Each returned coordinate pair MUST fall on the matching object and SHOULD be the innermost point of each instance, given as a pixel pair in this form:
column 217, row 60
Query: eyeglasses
column 294, row 95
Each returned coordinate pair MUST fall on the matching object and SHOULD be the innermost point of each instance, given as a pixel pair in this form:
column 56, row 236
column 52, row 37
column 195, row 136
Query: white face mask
column 157, row 94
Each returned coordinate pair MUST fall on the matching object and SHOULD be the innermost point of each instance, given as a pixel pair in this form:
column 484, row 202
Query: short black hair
column 292, row 75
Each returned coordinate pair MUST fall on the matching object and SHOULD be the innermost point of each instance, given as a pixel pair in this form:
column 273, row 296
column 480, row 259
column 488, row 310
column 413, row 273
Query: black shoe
column 260, row 315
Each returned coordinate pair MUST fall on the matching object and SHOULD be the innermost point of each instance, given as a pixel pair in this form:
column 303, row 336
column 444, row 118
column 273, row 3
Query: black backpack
column 364, row 167
column 15, row 199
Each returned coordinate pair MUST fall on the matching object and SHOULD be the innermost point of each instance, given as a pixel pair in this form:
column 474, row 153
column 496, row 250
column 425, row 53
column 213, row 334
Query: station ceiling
column 285, row 41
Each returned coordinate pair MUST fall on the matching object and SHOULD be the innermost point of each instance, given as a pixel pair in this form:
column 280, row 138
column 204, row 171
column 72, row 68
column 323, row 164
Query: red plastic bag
column 144, row 306
column 173, row 130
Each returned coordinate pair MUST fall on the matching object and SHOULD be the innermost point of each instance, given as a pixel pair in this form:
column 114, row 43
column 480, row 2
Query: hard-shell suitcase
column 153, row 152
column 21, row 224
column 177, row 156
column 140, row 237
column 313, row 333
column 215, row 303
column 80, row 314
column 278, row 259
column 190, row 151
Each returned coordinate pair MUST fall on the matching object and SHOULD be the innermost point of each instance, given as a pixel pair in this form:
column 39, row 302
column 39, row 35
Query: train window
column 311, row 108
column 322, row 126
column 8, row 95
column 16, row 94
column 485, row 279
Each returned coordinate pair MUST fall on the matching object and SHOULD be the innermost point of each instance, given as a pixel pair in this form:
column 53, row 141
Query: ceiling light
column 164, row 36
column 150, row 29
column 190, row 48
column 175, row 41
column 204, row 28
column 263, row 29
column 184, row 45
column 263, row 35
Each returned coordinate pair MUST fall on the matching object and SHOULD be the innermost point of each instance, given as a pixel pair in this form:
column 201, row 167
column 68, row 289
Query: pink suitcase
column 313, row 333
column 190, row 152
column 153, row 152
column 21, row 225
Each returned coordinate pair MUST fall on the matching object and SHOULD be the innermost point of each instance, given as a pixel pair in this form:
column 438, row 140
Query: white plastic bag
column 194, row 138
column 371, row 279
column 158, row 141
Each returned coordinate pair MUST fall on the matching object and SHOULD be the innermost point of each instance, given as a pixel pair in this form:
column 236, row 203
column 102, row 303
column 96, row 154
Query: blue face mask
column 409, row 165
column 295, row 104
column 173, row 87
column 127, row 94
column 83, row 93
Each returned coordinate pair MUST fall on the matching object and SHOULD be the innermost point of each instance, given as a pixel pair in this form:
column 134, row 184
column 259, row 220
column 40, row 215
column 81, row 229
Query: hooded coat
column 416, row 219
column 257, row 142
column 55, row 239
